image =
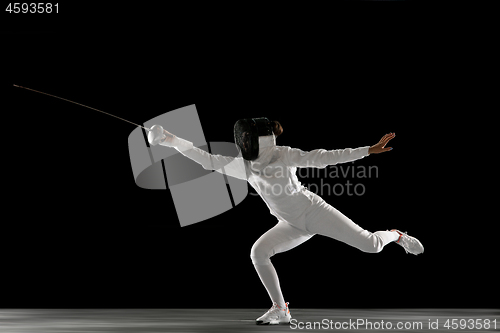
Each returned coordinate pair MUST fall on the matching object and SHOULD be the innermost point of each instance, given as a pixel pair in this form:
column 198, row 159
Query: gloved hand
column 167, row 138
column 157, row 135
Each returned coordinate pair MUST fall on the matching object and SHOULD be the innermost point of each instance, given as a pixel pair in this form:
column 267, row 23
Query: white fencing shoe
column 409, row 243
column 275, row 315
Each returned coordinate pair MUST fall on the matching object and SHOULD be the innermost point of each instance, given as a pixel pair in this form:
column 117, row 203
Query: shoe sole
column 273, row 322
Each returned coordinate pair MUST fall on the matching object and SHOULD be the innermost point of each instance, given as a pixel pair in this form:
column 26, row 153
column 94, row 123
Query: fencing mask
column 246, row 135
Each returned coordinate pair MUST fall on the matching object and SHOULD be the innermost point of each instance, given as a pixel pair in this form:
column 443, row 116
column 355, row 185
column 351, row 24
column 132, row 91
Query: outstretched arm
column 232, row 166
column 320, row 158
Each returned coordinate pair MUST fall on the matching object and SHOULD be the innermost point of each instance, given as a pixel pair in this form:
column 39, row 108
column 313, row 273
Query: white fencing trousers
column 325, row 220
column 282, row 237
column 322, row 220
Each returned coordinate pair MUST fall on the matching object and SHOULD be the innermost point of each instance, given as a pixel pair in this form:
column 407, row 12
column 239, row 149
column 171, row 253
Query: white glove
column 168, row 139
column 157, row 135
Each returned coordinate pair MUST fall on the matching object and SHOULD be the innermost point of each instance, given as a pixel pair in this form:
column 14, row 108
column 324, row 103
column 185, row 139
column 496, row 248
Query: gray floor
column 242, row 320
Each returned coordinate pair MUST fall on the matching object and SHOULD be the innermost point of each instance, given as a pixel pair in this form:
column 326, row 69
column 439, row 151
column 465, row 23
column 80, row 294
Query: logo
column 198, row 194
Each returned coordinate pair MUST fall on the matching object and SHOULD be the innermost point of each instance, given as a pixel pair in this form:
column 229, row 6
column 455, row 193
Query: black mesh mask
column 246, row 135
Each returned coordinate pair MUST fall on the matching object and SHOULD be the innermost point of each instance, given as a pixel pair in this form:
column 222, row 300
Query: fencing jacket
column 273, row 173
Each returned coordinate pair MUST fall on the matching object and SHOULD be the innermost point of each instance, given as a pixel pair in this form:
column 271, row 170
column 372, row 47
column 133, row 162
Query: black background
column 78, row 232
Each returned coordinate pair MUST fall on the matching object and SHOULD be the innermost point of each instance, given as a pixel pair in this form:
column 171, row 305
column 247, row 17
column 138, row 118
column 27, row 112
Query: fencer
column 301, row 214
column 271, row 171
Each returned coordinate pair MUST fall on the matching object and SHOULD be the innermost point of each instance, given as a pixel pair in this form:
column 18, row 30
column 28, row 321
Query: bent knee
column 260, row 255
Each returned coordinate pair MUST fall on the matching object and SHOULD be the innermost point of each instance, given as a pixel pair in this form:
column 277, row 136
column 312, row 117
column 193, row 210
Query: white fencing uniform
column 301, row 213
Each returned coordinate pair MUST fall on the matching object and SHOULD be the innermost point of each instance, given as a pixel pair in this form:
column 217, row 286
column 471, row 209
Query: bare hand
column 380, row 146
